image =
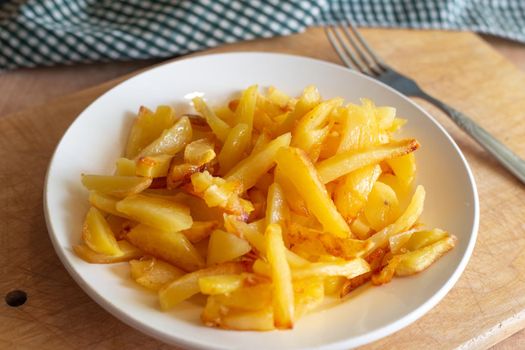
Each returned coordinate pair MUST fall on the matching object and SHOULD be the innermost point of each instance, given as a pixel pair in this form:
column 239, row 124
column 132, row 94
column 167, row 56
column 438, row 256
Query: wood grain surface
column 486, row 305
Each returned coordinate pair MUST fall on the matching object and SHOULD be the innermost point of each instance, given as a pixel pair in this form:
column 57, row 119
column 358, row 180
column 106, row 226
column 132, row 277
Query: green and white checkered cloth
column 49, row 32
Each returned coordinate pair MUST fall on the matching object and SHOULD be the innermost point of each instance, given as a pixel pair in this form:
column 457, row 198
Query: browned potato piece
column 346, row 162
column 188, row 285
column 154, row 166
column 252, row 168
column 173, row 247
column 128, row 250
column 97, row 234
column 147, row 127
column 283, row 297
column 156, row 212
column 118, row 186
column 199, row 152
column 297, row 167
column 171, row 141
column 153, row 273
column 200, row 230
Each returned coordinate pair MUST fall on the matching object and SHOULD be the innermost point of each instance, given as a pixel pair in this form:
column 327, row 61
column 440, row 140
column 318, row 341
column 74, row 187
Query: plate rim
column 360, row 340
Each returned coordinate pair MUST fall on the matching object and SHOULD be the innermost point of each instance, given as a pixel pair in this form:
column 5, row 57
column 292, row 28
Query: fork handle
column 506, row 157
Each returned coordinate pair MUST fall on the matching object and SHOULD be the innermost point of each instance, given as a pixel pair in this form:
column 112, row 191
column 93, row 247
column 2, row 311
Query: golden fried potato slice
column 351, row 192
column 128, row 250
column 154, row 166
column 308, row 100
column 199, row 152
column 106, row 203
column 252, row 168
column 403, row 223
column 170, row 246
column 245, row 111
column 308, row 295
column 153, row 273
column 97, row 234
column 235, row 145
column 346, row 162
column 382, row 207
column 171, row 141
column 294, row 200
column 360, row 129
column 260, row 320
column 188, row 285
column 421, row 258
column 297, row 167
column 420, row 239
column 225, row 246
column 118, row 186
column 220, row 284
column 345, row 268
column 283, row 297
column 125, row 167
column 200, row 230
column 276, row 207
column 156, row 212
column 311, row 130
column 404, row 168
column 219, row 127
column 147, row 127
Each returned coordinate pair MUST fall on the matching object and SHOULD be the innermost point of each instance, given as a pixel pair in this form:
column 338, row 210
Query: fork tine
column 372, row 66
column 363, row 42
column 337, row 47
column 357, row 64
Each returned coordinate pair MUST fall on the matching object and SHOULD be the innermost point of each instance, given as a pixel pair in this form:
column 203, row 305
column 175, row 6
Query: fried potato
column 313, row 128
column 346, row 162
column 188, row 285
column 128, row 250
column 382, row 207
column 218, row 192
column 171, row 140
column 153, row 166
column 153, row 273
column 236, row 144
column 219, row 127
column 147, row 127
column 276, row 209
column 308, row 100
column 170, row 246
column 308, row 295
column 348, row 269
column 125, row 167
column 156, row 212
column 252, row 168
column 265, row 205
column 245, row 111
column 118, row 186
column 199, row 152
column 97, row 234
column 421, row 258
column 352, row 191
column 296, row 165
column 404, row 222
column 220, row 284
column 404, row 168
column 225, row 246
column 106, row 203
column 283, row 297
column 200, row 230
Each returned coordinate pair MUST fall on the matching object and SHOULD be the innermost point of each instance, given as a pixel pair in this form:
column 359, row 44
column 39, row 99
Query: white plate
column 97, row 137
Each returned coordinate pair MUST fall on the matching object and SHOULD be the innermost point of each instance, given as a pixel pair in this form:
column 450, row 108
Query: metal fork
column 357, row 54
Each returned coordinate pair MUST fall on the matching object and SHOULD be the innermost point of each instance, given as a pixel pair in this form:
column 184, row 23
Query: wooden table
column 28, row 88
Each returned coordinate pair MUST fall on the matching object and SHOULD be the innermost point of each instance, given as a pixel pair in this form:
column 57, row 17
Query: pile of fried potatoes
column 266, row 205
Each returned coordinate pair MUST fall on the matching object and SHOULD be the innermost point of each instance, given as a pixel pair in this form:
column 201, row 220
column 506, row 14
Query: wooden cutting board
column 486, row 305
